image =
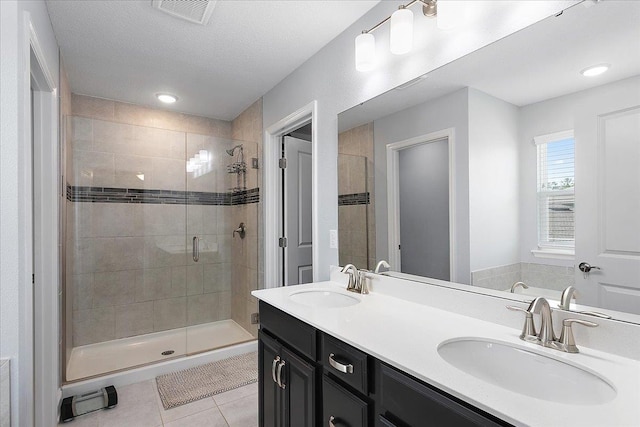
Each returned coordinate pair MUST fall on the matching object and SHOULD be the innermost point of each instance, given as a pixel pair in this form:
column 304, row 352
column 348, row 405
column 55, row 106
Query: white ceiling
column 537, row 63
column 128, row 51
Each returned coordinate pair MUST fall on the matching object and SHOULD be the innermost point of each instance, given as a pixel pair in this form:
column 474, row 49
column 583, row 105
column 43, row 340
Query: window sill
column 554, row 253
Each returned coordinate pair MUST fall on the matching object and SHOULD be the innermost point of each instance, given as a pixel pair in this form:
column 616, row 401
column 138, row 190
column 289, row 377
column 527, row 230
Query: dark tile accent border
column 354, row 199
column 167, row 197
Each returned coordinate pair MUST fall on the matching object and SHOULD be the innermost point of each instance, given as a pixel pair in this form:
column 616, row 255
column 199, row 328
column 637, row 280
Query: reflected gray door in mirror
column 423, row 184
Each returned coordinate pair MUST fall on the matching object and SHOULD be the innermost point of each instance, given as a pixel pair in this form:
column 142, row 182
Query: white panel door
column 297, row 210
column 608, row 206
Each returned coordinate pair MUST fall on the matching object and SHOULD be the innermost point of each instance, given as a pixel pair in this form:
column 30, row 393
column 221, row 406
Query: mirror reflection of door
column 607, row 203
column 297, row 225
column 423, row 184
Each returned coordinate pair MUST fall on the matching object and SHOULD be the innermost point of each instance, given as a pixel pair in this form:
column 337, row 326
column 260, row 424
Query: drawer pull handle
column 280, row 383
column 273, row 369
column 347, row 369
column 331, row 420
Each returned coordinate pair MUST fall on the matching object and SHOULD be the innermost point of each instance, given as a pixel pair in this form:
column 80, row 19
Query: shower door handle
column 196, row 248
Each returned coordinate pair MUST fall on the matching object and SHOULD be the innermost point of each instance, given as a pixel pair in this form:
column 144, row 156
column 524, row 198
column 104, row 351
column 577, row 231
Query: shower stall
column 161, row 244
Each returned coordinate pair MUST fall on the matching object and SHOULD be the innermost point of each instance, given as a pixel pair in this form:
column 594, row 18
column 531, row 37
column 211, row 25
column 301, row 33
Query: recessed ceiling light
column 595, row 70
column 166, row 98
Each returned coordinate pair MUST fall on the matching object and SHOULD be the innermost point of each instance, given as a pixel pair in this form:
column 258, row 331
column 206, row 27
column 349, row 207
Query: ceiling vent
column 196, row 11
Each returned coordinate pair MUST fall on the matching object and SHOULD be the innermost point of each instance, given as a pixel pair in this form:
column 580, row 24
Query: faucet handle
column 529, row 329
column 363, row 275
column 567, row 341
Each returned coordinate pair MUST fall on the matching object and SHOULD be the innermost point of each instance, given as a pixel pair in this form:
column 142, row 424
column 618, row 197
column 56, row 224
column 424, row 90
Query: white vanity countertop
column 406, row 335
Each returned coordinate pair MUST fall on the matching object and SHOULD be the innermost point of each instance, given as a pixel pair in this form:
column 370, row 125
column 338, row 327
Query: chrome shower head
column 231, row 151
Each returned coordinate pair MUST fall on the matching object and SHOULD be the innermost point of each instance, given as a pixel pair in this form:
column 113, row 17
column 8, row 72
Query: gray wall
column 12, row 227
column 493, row 181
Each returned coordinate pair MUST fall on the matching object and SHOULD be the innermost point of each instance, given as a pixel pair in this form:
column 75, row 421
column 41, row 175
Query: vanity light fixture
column 365, row 52
column 166, row 98
column 595, row 70
column 401, row 33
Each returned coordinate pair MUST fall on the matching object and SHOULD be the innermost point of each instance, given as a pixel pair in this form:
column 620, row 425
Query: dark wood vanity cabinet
column 288, row 379
column 402, row 400
column 309, row 378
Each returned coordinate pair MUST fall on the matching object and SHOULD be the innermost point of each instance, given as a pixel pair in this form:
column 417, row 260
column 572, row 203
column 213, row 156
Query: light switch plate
column 333, row 239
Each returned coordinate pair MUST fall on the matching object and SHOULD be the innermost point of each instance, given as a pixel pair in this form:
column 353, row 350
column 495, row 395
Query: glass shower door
column 126, row 257
column 218, row 231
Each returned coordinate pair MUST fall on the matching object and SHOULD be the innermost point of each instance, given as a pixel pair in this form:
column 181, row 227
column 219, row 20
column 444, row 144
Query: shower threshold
column 105, row 357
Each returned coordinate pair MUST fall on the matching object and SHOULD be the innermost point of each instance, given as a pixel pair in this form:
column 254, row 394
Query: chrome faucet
column 546, row 334
column 353, row 276
column 515, row 286
column 565, row 303
column 381, row 264
column 546, row 337
column 565, row 299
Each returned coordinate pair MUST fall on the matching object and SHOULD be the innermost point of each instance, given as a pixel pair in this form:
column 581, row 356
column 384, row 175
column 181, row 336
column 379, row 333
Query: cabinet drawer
column 405, row 401
column 345, row 362
column 341, row 407
column 288, row 329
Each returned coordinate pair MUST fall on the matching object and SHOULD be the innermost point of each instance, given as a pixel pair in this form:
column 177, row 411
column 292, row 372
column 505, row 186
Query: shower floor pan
column 101, row 358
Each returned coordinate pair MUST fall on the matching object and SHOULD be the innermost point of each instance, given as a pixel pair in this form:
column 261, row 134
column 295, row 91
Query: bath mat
column 189, row 385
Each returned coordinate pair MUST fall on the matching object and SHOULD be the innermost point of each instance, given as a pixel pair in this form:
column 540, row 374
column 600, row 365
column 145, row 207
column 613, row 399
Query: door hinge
column 33, row 279
column 282, row 242
column 399, row 248
column 255, row 318
column 282, row 163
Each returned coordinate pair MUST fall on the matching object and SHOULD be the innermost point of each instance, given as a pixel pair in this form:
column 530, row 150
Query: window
column 556, row 198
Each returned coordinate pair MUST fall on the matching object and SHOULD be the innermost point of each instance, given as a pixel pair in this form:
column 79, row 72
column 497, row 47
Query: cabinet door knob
column 280, row 383
column 273, row 369
column 331, row 420
column 346, row 369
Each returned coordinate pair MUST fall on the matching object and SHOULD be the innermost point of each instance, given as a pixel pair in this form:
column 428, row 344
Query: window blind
column 556, row 198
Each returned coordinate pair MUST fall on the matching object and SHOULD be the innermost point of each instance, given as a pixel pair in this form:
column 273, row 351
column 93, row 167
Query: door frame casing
column 393, row 194
column 273, row 274
column 39, row 248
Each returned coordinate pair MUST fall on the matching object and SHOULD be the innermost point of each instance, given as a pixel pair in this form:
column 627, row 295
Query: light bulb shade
column 401, row 40
column 451, row 14
column 365, row 52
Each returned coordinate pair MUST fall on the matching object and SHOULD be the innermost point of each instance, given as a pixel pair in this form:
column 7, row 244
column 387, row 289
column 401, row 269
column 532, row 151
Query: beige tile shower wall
column 122, row 112
column 248, row 269
column 130, row 266
column 359, row 142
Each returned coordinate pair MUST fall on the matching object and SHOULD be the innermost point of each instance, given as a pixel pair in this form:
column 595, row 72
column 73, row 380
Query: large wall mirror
column 509, row 165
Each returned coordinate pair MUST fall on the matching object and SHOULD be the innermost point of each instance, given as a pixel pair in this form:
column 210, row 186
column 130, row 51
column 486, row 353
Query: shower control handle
column 196, row 249
column 241, row 230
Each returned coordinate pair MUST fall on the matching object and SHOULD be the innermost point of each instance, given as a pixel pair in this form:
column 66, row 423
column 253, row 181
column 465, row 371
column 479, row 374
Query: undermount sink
column 323, row 298
column 522, row 371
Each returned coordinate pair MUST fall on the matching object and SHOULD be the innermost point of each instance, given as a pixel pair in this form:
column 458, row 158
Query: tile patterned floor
column 139, row 405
